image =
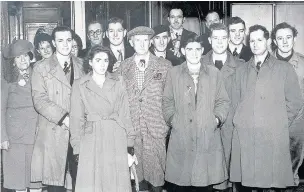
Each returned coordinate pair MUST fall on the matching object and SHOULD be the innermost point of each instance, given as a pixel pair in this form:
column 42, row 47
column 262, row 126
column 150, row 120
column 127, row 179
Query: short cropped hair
column 256, row 28
column 217, row 26
column 283, row 25
column 94, row 22
column 213, row 11
column 235, row 20
column 62, row 28
column 116, row 20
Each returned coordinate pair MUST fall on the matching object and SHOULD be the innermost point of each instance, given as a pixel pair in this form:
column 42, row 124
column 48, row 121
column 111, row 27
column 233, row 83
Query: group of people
column 138, row 108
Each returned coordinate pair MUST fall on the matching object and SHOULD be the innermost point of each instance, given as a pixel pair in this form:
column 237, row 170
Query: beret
column 17, row 48
column 141, row 30
column 160, row 29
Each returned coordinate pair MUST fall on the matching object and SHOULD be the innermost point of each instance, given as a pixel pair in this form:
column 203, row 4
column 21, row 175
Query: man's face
column 63, row 42
column 45, row 49
column 160, row 41
column 176, row 18
column 95, row 33
column 219, row 41
column 258, row 43
column 140, row 43
column 193, row 52
column 237, row 33
column 116, row 33
column 284, row 40
column 212, row 18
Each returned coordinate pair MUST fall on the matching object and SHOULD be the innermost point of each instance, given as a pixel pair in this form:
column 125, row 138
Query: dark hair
column 283, row 25
column 256, row 28
column 62, row 28
column 213, row 11
column 91, row 54
column 217, row 26
column 116, row 20
column 235, row 20
column 41, row 37
column 191, row 40
column 175, row 7
column 78, row 40
column 94, row 22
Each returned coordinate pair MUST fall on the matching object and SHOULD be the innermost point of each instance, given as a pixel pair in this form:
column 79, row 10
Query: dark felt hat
column 160, row 29
column 141, row 30
column 17, row 48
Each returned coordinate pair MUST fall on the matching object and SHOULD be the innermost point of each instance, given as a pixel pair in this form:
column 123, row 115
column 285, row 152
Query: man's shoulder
column 43, row 65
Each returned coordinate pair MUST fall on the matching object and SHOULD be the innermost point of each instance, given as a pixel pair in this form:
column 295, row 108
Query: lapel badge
column 157, row 76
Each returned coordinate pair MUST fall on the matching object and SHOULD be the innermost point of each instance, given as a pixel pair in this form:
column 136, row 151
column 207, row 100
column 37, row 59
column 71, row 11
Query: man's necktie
column 142, row 63
column 258, row 66
column 120, row 57
column 235, row 53
column 218, row 64
column 66, row 68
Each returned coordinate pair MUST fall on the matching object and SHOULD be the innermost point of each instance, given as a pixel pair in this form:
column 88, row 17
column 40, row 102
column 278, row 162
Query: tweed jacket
column 146, row 115
column 51, row 92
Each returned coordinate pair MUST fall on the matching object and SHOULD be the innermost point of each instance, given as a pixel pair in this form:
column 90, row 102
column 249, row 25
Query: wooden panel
column 294, row 15
column 41, row 15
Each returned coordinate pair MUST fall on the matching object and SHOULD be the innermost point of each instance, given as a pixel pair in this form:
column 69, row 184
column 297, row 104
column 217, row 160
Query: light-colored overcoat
column 100, row 127
column 51, row 92
column 269, row 102
column 195, row 152
column 147, row 117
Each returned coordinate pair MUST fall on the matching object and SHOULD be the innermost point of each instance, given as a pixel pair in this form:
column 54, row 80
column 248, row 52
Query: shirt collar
column 238, row 48
column 222, row 58
column 115, row 50
column 159, row 54
column 174, row 31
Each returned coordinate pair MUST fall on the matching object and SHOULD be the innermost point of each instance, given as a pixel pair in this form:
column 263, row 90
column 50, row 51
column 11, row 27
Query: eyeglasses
column 97, row 32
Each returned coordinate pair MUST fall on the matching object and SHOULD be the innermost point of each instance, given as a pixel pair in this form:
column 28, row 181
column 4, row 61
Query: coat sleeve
column 168, row 103
column 222, row 102
column 4, row 97
column 42, row 103
column 293, row 96
column 77, row 119
column 123, row 108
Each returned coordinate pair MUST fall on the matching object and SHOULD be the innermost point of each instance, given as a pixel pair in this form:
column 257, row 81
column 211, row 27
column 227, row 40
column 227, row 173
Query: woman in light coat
column 101, row 127
column 20, row 118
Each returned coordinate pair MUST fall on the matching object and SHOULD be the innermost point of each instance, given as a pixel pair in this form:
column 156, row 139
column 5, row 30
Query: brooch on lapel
column 157, row 76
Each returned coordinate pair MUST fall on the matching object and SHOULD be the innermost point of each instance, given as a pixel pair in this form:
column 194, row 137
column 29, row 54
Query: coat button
column 140, row 100
column 190, row 120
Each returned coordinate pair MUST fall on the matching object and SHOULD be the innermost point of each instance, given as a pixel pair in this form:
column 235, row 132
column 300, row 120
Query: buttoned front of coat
column 195, row 153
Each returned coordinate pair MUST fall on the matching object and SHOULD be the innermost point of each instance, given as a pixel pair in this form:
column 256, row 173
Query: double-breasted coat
column 195, row 154
column 269, row 102
column 51, row 92
column 101, row 129
column 146, row 114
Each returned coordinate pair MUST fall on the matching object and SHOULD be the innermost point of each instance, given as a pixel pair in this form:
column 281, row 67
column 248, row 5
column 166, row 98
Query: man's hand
column 66, row 121
column 5, row 145
column 116, row 65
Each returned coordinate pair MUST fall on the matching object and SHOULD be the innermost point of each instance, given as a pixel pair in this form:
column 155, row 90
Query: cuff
column 62, row 118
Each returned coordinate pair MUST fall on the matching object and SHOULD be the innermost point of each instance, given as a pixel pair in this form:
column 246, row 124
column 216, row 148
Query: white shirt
column 194, row 70
column 115, row 50
column 238, row 48
column 222, row 57
column 160, row 54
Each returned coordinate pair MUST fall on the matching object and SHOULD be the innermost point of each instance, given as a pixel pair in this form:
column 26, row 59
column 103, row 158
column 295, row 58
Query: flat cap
column 160, row 29
column 141, row 30
column 17, row 48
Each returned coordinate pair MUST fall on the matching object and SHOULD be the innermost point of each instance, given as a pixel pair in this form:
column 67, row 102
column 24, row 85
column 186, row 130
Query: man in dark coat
column 160, row 42
column 237, row 29
column 120, row 49
column 178, row 35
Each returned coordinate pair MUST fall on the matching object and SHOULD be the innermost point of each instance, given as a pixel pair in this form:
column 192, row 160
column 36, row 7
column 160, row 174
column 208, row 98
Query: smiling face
column 45, row 49
column 258, row 43
column 219, row 41
column 63, row 42
column 237, row 33
column 116, row 33
column 161, row 41
column 193, row 52
column 284, row 40
column 100, row 63
column 22, row 61
column 176, row 18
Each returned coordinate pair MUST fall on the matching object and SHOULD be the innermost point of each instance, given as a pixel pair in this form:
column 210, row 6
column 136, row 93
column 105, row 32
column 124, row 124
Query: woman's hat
column 17, row 48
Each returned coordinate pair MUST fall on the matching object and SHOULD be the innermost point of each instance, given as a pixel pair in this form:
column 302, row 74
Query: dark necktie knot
column 66, row 68
column 120, row 57
column 235, row 53
column 218, row 64
column 258, row 66
column 142, row 63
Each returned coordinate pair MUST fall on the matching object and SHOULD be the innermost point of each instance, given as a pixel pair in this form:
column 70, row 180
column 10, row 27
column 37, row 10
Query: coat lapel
column 92, row 86
column 151, row 70
column 57, row 71
column 129, row 75
column 229, row 66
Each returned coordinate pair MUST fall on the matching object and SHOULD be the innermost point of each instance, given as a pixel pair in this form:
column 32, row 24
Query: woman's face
column 75, row 49
column 22, row 61
column 100, row 63
column 45, row 49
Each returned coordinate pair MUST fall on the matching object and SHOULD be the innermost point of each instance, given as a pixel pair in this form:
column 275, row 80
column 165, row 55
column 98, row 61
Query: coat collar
column 269, row 61
column 203, row 68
